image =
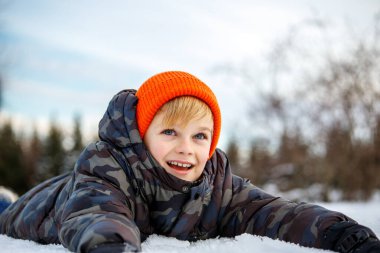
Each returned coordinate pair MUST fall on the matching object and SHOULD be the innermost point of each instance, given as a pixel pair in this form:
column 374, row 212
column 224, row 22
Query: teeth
column 184, row 165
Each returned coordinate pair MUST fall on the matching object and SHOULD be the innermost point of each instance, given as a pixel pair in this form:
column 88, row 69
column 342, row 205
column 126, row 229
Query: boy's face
column 181, row 150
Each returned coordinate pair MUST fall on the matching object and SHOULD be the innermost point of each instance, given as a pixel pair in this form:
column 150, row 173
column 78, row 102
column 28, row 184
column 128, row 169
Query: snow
column 159, row 244
column 8, row 195
column 366, row 213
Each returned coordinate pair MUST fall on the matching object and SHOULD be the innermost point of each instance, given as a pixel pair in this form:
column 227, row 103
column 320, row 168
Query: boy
column 156, row 170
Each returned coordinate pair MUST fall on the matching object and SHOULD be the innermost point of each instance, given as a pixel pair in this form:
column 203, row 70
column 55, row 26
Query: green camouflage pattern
column 117, row 195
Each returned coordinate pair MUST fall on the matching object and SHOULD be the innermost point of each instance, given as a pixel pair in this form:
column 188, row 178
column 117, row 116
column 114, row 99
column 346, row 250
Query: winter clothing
column 4, row 203
column 174, row 84
column 351, row 237
column 7, row 197
column 118, row 195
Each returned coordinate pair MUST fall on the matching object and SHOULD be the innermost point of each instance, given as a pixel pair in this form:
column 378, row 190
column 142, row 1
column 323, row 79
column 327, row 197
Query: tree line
column 25, row 162
column 348, row 165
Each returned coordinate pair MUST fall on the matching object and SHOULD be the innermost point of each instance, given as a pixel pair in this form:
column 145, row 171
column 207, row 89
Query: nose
column 184, row 146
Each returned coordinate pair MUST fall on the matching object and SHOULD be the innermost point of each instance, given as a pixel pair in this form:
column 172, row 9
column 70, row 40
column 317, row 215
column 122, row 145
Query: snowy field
column 366, row 213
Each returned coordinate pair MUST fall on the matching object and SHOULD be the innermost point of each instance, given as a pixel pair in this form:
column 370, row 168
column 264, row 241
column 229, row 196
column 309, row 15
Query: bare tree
column 326, row 104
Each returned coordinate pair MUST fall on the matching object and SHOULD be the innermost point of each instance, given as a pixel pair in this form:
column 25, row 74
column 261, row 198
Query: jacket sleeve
column 253, row 211
column 98, row 214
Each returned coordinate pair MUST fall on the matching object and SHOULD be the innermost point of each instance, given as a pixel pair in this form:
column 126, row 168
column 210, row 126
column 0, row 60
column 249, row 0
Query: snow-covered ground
column 367, row 213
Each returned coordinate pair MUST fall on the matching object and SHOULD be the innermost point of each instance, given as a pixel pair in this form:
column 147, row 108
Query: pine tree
column 77, row 136
column 292, row 161
column 233, row 155
column 259, row 163
column 53, row 154
column 77, row 148
column 341, row 161
column 12, row 173
column 32, row 159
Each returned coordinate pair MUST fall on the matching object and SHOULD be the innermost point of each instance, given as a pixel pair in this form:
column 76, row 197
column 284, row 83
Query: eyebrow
column 205, row 129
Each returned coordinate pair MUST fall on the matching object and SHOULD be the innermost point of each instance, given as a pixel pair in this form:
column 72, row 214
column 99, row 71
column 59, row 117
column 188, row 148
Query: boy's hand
column 350, row 237
column 371, row 245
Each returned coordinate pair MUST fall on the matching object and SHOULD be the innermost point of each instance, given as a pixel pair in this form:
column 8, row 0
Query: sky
column 62, row 58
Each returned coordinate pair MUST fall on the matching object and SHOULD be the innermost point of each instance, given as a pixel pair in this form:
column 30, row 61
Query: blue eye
column 201, row 136
column 168, row 132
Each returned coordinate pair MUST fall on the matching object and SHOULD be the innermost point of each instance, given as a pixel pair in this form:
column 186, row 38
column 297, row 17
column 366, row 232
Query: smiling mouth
column 180, row 166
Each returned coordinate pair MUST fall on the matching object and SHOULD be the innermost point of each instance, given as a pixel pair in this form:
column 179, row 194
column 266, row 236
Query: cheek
column 203, row 156
column 158, row 151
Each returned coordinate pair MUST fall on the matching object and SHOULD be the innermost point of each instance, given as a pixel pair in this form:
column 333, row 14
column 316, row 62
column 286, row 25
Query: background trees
column 325, row 106
column 26, row 161
column 12, row 172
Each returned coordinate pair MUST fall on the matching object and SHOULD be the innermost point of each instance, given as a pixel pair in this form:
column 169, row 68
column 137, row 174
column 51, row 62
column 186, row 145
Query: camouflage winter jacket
column 118, row 195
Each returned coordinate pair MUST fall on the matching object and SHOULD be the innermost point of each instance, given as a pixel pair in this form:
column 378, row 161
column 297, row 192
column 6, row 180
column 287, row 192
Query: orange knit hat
column 161, row 88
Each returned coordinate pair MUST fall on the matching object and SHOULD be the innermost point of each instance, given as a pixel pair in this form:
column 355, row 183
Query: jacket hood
column 118, row 125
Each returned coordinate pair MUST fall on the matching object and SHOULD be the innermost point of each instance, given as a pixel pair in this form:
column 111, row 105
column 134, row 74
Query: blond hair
column 181, row 110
